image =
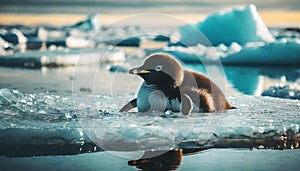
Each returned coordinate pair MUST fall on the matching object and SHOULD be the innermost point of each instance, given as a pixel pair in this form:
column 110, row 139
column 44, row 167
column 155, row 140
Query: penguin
column 167, row 86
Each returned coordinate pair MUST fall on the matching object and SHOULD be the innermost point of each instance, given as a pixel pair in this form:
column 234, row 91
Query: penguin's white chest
column 150, row 99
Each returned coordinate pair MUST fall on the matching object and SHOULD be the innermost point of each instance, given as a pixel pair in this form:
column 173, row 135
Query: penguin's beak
column 138, row 71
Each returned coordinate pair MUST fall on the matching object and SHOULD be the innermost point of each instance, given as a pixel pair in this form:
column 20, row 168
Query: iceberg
column 240, row 25
column 90, row 24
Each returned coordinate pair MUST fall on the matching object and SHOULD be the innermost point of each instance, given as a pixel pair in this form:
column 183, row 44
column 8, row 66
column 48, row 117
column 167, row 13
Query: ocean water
column 215, row 159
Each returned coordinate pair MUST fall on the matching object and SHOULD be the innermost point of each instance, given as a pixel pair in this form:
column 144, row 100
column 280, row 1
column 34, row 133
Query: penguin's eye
column 158, row 68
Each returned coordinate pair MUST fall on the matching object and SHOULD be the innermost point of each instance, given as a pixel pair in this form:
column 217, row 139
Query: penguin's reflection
column 164, row 161
column 169, row 160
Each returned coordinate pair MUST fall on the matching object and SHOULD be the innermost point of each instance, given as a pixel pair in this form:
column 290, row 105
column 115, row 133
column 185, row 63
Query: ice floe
column 42, row 118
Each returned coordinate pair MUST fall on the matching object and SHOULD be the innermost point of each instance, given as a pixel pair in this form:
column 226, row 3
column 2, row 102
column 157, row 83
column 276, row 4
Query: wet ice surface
column 48, row 119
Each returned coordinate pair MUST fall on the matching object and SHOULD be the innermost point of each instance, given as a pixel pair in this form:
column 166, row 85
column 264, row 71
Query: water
column 215, row 159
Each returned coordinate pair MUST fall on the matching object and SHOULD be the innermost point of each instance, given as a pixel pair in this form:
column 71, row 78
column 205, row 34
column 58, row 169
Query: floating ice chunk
column 75, row 42
column 162, row 38
column 241, row 25
column 235, row 47
column 90, row 24
column 42, row 33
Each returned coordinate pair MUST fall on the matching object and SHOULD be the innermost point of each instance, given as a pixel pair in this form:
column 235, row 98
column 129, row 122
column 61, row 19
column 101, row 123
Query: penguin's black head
column 160, row 69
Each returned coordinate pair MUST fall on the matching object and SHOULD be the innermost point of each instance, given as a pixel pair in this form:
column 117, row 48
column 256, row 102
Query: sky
column 137, row 6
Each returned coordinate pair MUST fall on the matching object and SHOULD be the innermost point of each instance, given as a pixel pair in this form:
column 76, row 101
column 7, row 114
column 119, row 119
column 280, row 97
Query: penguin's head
column 160, row 69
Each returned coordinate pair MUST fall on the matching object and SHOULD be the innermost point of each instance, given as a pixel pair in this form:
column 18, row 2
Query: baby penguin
column 167, row 86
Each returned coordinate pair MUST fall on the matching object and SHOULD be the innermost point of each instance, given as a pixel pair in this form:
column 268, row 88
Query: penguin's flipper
column 130, row 105
column 186, row 104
